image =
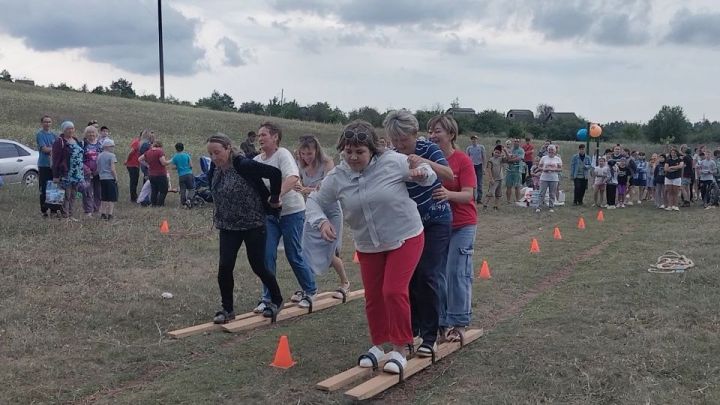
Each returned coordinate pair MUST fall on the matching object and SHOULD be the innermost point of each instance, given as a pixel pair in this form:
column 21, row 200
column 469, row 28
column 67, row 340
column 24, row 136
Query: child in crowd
column 659, row 181
column 182, row 162
column 536, row 172
column 623, row 175
column 495, row 175
column 639, row 176
column 600, row 177
column 108, row 179
column 707, row 169
column 650, row 183
column 611, row 185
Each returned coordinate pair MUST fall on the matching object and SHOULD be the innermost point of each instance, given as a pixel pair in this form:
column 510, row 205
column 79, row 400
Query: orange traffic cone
column 164, row 228
column 283, row 358
column 485, row 271
column 600, row 216
column 534, row 247
column 355, row 258
column 581, row 223
column 557, row 235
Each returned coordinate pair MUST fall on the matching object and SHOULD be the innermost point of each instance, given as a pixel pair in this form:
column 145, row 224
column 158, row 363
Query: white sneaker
column 629, row 203
column 668, row 208
column 676, row 208
column 662, row 207
column 306, row 299
column 639, row 202
column 260, row 308
column 611, row 207
column 537, row 210
column 297, row 296
column 392, row 367
column 552, row 210
column 375, row 351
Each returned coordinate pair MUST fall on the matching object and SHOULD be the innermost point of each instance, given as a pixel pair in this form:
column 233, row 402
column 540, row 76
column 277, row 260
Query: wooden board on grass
column 294, row 312
column 210, row 326
column 383, row 381
column 349, row 376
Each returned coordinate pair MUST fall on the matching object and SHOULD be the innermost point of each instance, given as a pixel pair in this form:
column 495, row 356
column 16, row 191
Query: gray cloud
column 562, row 20
column 234, row 55
column 121, row 33
column 311, row 44
column 620, row 30
column 281, row 25
column 372, row 13
column 695, row 29
column 455, row 45
column 362, row 38
column 593, row 20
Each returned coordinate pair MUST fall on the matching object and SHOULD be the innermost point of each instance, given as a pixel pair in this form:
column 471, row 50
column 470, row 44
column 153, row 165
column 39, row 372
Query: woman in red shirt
column 133, row 166
column 155, row 159
column 456, row 283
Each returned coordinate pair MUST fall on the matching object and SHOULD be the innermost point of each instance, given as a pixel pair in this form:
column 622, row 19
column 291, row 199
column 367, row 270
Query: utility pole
column 162, row 67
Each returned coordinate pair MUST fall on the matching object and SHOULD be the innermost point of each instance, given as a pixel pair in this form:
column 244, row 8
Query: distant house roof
column 561, row 116
column 520, row 115
column 460, row 111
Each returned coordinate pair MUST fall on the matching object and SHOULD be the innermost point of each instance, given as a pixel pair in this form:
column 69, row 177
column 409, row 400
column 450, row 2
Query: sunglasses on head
column 360, row 136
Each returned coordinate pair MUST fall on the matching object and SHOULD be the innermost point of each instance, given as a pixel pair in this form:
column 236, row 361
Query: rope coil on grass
column 671, row 262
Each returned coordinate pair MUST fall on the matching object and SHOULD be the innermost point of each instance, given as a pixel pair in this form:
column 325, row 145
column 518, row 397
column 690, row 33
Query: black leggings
column 158, row 190
column 230, row 242
column 610, row 192
column 134, row 174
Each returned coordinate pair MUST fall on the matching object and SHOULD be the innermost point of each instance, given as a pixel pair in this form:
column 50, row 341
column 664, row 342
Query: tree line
column 669, row 125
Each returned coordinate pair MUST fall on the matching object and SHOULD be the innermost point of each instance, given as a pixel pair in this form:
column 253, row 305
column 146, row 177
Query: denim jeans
column 424, row 285
column 479, row 188
column 289, row 228
column 456, row 281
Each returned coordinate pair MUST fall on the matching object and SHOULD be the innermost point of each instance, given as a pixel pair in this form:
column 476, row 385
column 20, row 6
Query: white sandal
column 396, row 363
column 372, row 358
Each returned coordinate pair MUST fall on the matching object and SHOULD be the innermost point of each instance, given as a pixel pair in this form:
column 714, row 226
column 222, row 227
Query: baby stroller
column 202, row 193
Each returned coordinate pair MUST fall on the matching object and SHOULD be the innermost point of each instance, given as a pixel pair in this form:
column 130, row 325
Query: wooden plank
column 348, row 376
column 382, row 382
column 210, row 326
column 294, row 312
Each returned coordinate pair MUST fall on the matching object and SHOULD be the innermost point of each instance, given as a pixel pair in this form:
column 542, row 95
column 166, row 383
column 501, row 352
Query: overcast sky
column 604, row 59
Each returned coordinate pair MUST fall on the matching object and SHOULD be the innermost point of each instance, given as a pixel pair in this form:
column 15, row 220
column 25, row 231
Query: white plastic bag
column 54, row 195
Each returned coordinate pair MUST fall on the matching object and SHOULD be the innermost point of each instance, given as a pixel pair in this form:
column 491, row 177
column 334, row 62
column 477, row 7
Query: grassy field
column 82, row 319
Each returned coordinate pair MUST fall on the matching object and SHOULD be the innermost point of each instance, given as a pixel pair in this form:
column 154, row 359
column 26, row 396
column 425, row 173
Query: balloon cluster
column 582, row 133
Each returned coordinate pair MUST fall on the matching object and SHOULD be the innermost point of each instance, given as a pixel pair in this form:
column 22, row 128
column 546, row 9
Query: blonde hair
column 224, row 141
column 401, row 122
column 89, row 129
column 447, row 123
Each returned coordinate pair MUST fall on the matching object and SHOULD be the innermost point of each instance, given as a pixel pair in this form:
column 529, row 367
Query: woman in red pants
column 370, row 185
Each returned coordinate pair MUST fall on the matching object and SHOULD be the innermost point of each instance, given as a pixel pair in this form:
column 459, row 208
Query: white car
column 18, row 163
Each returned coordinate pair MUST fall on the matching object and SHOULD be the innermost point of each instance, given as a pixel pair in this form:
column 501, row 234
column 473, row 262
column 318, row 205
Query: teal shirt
column 182, row 162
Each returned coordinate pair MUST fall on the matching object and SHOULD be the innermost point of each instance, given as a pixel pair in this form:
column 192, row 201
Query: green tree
column 491, row 122
column 543, row 111
column 320, row 112
column 5, row 76
column 252, row 107
column 149, row 97
column 99, row 90
column 291, row 110
column 217, row 101
column 368, row 114
column 668, row 122
column 273, row 108
column 122, row 88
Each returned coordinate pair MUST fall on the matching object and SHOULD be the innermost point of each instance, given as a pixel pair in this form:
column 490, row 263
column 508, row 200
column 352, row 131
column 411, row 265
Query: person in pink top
column 529, row 156
column 156, row 161
column 455, row 283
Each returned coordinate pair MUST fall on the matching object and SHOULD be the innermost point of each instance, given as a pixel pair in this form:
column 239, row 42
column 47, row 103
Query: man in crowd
column 580, row 172
column 476, row 152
